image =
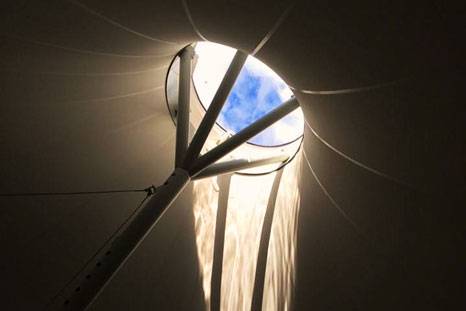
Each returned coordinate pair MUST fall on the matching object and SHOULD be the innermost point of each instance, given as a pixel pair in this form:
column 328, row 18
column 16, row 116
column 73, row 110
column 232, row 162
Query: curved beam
column 226, row 167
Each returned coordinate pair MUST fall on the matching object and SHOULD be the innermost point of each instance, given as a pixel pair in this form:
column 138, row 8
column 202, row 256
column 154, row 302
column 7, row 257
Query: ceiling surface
column 382, row 184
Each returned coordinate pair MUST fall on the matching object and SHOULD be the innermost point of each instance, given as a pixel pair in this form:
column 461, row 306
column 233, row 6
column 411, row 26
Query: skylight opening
column 257, row 91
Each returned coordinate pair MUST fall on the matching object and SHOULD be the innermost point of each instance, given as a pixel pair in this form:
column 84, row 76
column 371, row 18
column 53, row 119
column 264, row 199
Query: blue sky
column 257, row 91
column 254, row 94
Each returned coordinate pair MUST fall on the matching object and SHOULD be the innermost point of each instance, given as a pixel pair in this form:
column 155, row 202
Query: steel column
column 243, row 136
column 215, row 107
column 221, row 168
column 182, row 116
column 91, row 281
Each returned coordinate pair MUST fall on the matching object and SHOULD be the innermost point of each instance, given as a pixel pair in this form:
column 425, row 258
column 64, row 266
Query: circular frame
column 282, row 165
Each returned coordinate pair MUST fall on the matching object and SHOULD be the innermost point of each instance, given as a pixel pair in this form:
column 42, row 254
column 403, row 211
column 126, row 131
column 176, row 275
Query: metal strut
column 242, row 136
column 182, row 116
column 215, row 107
column 89, row 283
column 226, row 167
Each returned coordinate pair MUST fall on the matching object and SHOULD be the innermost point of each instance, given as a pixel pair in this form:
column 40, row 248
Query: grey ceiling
column 83, row 108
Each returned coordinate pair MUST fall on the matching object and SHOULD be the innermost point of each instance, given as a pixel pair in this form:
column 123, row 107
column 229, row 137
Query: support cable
column 329, row 196
column 351, row 90
column 356, row 162
column 83, row 74
column 273, row 29
column 225, row 167
column 149, row 190
column 371, row 244
column 83, row 51
column 118, row 25
column 191, row 20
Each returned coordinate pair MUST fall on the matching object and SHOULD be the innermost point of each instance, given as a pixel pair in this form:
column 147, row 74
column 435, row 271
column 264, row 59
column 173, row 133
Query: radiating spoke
column 243, row 136
column 191, row 21
column 354, row 161
column 237, row 165
column 274, row 28
column 351, row 90
column 83, row 51
column 215, row 107
column 331, row 199
column 116, row 24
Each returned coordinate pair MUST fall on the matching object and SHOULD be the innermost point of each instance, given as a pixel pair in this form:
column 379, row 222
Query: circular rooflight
column 257, row 91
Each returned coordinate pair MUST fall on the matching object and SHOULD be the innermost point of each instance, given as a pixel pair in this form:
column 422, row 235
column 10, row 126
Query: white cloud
column 212, row 64
column 270, row 80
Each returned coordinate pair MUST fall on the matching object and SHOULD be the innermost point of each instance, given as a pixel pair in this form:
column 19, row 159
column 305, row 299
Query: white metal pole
column 90, row 282
column 182, row 116
column 213, row 111
column 226, row 167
